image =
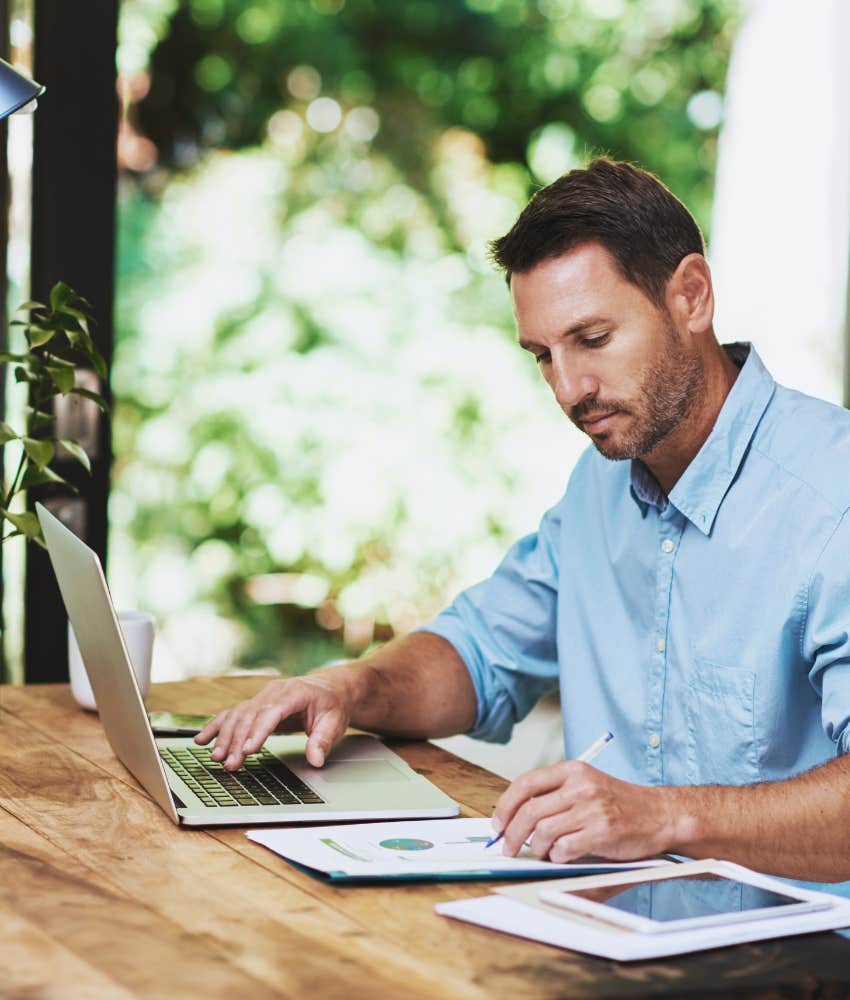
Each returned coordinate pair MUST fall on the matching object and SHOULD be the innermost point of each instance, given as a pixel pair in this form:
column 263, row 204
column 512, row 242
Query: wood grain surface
column 102, row 896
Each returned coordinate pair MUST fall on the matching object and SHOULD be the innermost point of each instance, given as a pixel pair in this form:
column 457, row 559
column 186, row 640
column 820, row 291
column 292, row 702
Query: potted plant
column 59, row 343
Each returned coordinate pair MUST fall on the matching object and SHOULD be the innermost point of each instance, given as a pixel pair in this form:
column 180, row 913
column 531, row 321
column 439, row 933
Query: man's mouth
column 597, row 421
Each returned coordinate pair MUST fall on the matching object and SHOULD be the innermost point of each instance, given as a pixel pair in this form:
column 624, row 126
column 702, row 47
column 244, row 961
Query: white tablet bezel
column 562, row 897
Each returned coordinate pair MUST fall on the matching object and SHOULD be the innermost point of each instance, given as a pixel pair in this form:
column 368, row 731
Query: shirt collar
column 703, row 485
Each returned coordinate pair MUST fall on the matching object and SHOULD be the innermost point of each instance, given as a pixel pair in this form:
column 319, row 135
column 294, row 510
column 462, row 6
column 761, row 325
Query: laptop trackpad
column 361, row 770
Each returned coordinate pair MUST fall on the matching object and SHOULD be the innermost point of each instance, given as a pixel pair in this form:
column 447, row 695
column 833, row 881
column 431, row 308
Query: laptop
column 362, row 779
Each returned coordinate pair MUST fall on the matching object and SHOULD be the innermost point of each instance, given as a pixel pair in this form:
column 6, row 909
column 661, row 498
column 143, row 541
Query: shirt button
column 660, row 644
column 654, row 740
column 667, row 545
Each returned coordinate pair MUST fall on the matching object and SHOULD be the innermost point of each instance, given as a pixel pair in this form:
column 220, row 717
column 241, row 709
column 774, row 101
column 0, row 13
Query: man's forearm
column 415, row 686
column 798, row 828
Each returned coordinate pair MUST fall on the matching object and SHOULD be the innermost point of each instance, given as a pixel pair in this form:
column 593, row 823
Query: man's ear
column 690, row 295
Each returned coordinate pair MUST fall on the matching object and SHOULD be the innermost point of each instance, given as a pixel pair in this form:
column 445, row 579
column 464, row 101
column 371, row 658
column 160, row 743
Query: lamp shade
column 16, row 90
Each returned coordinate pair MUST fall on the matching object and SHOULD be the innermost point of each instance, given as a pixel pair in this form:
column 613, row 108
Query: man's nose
column 570, row 385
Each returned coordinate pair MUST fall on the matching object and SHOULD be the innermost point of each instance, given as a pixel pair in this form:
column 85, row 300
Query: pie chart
column 406, row 844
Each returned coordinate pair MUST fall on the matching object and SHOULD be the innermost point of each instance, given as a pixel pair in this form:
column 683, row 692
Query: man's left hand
column 571, row 809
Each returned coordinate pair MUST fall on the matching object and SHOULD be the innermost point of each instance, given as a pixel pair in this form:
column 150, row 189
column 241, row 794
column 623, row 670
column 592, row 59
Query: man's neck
column 678, row 450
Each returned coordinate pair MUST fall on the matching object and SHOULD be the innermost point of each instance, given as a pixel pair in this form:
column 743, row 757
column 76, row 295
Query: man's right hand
column 318, row 704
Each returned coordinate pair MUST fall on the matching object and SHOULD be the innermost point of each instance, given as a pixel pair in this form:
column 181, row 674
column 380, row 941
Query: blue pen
column 592, row 751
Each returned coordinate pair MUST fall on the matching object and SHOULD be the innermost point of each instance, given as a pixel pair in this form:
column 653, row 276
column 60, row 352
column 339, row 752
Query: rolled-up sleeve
column 505, row 631
column 826, row 637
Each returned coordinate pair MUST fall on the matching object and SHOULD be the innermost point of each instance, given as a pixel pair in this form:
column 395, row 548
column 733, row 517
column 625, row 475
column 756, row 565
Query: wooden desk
column 102, row 897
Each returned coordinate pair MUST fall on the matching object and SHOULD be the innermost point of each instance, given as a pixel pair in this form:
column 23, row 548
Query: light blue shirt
column 709, row 630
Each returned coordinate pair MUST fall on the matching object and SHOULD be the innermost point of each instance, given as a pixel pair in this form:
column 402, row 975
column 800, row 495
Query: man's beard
column 669, row 389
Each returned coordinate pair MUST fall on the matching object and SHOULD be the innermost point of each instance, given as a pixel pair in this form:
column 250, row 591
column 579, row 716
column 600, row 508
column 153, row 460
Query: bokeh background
column 323, row 426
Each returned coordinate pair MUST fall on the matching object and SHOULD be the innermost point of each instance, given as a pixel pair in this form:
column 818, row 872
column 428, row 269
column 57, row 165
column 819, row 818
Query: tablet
column 669, row 902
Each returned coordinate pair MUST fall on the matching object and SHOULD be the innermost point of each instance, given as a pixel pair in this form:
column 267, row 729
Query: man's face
column 616, row 363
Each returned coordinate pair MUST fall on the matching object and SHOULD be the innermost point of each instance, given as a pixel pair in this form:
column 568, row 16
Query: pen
column 592, row 751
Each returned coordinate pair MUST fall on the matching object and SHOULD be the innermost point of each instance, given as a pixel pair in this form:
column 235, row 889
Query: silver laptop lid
column 92, row 615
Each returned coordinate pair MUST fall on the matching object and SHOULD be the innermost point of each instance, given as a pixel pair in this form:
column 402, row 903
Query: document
column 427, row 849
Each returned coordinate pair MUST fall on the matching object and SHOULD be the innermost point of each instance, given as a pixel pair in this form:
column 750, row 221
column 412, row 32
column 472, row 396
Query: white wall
column 781, row 225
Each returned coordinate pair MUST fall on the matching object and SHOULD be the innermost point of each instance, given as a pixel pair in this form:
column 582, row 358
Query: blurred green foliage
column 613, row 75
column 315, row 373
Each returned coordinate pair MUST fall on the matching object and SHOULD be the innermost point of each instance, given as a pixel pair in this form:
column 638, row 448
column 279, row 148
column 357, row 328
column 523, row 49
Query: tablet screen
column 689, row 896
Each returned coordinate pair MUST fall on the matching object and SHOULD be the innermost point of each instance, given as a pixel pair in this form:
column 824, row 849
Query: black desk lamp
column 17, row 92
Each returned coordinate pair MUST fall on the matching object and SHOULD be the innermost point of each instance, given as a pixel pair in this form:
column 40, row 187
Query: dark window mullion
column 4, row 282
column 73, row 240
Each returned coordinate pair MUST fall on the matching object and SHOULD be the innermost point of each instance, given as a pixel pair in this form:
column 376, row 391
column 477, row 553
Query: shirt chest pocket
column 721, row 725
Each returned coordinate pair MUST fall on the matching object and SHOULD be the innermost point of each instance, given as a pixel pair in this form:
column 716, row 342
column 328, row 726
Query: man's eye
column 544, row 358
column 598, row 341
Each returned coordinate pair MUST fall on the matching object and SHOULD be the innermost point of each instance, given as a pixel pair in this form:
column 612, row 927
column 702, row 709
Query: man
column 690, row 592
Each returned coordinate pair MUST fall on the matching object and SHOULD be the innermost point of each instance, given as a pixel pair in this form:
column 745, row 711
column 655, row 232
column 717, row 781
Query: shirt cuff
column 495, row 716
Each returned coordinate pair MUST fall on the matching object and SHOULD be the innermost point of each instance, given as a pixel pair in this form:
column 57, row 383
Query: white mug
column 137, row 627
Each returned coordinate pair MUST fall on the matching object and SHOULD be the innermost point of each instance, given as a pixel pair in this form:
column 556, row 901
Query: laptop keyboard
column 263, row 780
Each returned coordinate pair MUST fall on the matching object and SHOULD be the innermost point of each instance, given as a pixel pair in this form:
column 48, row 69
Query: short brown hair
column 639, row 221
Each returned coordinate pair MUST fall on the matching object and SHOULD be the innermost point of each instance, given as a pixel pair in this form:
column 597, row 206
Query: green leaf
column 38, row 421
column 42, row 392
column 77, row 452
column 83, row 342
column 29, row 306
column 54, row 359
column 79, row 339
column 93, row 396
column 6, row 433
column 37, row 477
column 27, row 524
column 38, row 335
column 96, row 359
column 5, row 356
column 61, row 295
column 75, row 301
column 22, row 375
column 36, row 369
column 77, row 314
column 62, row 378
column 40, row 452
